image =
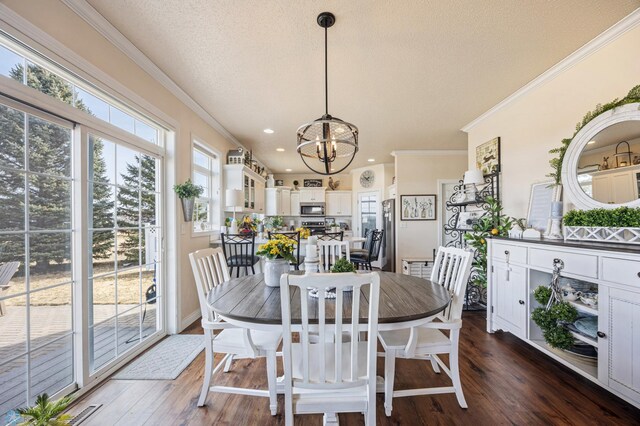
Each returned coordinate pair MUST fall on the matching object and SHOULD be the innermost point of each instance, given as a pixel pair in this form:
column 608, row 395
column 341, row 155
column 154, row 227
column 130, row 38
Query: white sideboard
column 517, row 267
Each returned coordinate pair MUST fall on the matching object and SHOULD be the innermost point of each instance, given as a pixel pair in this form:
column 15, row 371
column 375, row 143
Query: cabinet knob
column 601, row 334
column 521, row 302
column 506, row 252
column 638, row 274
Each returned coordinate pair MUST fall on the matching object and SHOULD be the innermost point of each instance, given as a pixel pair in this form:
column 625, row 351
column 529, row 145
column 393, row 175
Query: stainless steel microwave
column 311, row 209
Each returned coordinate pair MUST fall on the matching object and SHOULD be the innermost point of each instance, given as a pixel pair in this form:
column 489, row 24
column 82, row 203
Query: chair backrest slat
column 451, row 269
column 331, row 251
column 331, row 236
column 330, row 318
column 7, row 271
column 209, row 270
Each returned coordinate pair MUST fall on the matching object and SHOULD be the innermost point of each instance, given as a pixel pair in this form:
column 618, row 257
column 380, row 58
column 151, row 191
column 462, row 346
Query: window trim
column 198, row 143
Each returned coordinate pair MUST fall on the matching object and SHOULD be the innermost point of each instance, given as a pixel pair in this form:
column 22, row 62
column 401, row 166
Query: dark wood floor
column 505, row 382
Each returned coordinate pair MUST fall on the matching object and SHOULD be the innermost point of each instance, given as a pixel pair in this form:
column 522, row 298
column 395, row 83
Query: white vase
column 273, row 269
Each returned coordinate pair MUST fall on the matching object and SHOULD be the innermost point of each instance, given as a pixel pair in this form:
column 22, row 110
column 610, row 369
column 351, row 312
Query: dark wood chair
column 370, row 252
column 331, row 236
column 295, row 236
column 239, row 249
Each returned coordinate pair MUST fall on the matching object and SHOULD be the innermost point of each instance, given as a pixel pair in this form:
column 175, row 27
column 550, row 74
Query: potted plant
column 278, row 252
column 276, row 222
column 46, row 412
column 621, row 225
column 188, row 192
column 343, row 266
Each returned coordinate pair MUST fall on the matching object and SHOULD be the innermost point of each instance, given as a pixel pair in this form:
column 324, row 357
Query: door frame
column 358, row 223
column 442, row 207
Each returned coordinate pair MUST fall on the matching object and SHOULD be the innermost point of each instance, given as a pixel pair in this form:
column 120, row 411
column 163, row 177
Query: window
column 206, row 173
column 70, row 89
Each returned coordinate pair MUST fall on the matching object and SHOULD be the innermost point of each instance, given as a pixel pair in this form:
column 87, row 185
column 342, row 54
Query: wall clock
column 367, row 178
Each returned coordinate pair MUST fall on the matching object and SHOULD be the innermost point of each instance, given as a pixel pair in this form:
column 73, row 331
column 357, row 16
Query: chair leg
column 288, row 409
column 389, row 375
column 253, row 271
column 208, row 368
column 271, row 381
column 237, row 272
column 434, row 364
column 455, row 370
column 227, row 365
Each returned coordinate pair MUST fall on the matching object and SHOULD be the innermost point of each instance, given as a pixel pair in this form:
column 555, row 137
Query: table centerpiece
column 278, row 252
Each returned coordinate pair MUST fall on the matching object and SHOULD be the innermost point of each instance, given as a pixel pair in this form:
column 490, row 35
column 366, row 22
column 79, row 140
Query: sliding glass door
column 124, row 272
column 36, row 262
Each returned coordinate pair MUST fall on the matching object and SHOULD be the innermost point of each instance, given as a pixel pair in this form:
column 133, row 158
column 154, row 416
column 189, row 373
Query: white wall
column 418, row 172
column 59, row 22
column 537, row 121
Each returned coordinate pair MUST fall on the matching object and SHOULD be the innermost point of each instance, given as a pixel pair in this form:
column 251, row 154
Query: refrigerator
column 388, row 257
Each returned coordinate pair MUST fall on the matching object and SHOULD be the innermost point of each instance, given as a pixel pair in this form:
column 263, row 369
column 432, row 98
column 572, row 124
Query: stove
column 315, row 226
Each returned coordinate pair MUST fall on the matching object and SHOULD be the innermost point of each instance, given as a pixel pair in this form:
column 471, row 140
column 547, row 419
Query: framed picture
column 488, row 156
column 279, row 182
column 543, row 194
column 466, row 220
column 313, row 183
column 418, row 207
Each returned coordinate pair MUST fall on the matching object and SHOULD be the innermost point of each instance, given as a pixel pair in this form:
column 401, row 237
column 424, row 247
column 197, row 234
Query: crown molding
column 619, row 28
column 429, row 152
column 98, row 22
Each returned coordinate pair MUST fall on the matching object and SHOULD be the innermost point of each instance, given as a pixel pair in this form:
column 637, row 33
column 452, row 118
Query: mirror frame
column 572, row 189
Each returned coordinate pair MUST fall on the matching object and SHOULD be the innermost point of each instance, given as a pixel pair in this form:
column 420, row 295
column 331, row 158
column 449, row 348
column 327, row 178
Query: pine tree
column 141, row 175
column 49, row 197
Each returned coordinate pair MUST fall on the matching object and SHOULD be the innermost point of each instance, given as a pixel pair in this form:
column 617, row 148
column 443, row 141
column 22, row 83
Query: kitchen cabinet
column 295, row 203
column 517, row 267
column 278, row 201
column 615, row 187
column 238, row 176
column 312, row 195
column 338, row 203
column 511, row 295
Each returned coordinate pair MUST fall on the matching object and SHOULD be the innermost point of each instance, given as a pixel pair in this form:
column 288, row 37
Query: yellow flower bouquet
column 304, row 233
column 278, row 247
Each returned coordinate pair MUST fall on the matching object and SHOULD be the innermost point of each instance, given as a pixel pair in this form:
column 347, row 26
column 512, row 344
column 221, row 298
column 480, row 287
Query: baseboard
column 189, row 319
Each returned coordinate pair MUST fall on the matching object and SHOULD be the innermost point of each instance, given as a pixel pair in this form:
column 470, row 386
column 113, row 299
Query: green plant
column 493, row 223
column 343, row 265
column 46, row 412
column 551, row 320
column 188, row 189
column 621, row 217
column 276, row 222
column 556, row 162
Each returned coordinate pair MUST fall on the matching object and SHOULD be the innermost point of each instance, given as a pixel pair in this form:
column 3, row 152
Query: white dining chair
column 210, row 269
column 451, row 270
column 330, row 377
column 330, row 251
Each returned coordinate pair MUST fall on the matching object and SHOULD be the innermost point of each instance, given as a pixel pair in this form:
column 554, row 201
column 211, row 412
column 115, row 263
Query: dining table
column 405, row 301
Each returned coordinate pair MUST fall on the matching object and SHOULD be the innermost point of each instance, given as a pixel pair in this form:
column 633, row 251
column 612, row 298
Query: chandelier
column 327, row 145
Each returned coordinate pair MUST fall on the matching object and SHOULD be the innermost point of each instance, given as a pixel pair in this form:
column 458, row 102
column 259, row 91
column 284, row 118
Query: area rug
column 165, row 361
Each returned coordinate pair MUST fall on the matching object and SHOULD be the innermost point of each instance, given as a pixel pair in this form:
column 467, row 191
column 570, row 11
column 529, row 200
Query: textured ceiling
column 408, row 73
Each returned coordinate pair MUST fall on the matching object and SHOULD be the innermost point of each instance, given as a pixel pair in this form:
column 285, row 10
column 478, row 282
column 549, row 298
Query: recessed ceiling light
column 280, row 149
column 287, row 170
column 268, row 131
column 591, row 142
column 371, row 160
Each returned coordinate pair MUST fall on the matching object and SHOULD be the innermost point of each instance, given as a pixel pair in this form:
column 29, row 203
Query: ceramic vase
column 273, row 269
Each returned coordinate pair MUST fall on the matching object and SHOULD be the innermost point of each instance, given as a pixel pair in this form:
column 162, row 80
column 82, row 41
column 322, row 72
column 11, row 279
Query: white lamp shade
column 473, row 177
column 234, row 198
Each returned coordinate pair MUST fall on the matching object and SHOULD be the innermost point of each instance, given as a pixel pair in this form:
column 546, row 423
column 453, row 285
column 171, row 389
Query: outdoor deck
column 52, row 365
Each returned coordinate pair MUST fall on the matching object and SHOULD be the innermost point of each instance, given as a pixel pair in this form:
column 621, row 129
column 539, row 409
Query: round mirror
column 602, row 164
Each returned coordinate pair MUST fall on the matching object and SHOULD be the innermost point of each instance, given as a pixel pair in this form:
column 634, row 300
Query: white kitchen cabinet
column 619, row 340
column 295, row 203
column 312, row 195
column 278, row 201
column 259, row 197
column 238, row 176
column 338, row 203
column 510, row 297
column 615, row 187
column 517, row 267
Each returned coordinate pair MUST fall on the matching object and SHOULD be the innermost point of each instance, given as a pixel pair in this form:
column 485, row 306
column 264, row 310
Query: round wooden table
column 404, row 301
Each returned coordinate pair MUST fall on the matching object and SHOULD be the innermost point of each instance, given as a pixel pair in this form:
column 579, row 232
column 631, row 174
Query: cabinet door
column 510, row 305
column 333, row 204
column 259, row 197
column 345, row 204
column 623, row 188
column 247, row 191
column 619, row 345
column 295, row 203
column 602, row 188
column 306, row 195
column 285, row 202
column 272, row 202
